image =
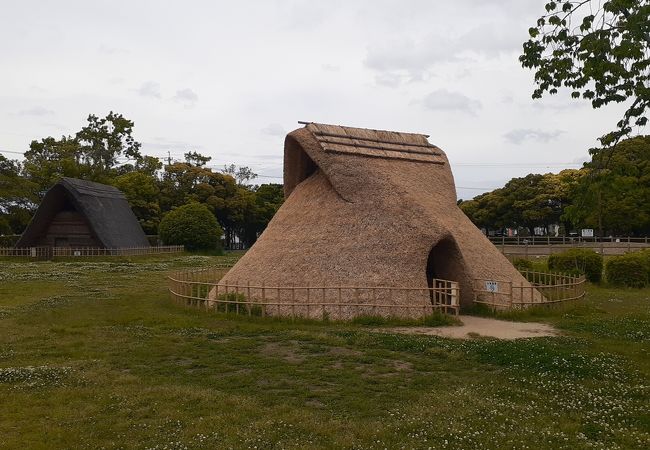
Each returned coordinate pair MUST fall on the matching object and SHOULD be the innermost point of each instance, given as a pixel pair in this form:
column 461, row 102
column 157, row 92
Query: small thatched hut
column 369, row 208
column 78, row 213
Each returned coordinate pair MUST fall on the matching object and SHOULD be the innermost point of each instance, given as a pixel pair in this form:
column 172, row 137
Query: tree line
column 105, row 151
column 610, row 194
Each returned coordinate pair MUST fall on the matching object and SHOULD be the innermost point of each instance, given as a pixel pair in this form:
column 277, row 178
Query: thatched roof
column 357, row 142
column 104, row 207
column 369, row 207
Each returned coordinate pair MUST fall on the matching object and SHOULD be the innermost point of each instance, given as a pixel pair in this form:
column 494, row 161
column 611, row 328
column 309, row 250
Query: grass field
column 94, row 355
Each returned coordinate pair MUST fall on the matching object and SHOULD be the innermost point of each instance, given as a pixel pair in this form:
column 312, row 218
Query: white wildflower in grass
column 35, row 376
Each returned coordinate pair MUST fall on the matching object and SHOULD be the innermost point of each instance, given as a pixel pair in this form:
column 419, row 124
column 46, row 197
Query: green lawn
column 95, row 355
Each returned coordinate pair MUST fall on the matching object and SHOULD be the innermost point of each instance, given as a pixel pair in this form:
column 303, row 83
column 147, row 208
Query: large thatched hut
column 369, row 208
column 78, row 213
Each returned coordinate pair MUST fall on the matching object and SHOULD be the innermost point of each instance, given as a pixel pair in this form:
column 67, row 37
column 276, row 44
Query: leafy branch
column 604, row 59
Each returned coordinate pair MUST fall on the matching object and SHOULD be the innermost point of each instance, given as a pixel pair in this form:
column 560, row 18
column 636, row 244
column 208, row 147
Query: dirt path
column 481, row 326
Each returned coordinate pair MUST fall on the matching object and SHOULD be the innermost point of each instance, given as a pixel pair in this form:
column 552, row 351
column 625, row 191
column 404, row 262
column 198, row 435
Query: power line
column 476, row 188
column 523, row 165
column 168, row 159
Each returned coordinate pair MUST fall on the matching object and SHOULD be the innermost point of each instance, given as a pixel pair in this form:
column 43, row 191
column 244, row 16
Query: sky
column 231, row 79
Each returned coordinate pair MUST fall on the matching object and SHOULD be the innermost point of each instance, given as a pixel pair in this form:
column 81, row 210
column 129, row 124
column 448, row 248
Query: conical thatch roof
column 370, row 208
column 103, row 208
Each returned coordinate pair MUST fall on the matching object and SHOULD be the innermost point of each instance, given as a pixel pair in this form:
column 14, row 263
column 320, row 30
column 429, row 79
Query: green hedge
column 578, row 261
column 522, row 264
column 631, row 270
column 191, row 225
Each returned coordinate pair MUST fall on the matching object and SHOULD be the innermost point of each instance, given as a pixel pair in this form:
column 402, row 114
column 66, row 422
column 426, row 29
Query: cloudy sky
column 230, row 79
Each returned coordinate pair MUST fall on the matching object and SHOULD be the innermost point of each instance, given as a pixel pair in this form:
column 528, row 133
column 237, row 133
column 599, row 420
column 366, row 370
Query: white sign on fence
column 587, row 232
column 492, row 286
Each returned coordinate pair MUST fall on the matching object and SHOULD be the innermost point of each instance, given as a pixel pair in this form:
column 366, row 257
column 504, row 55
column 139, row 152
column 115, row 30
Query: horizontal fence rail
column 50, row 252
column 526, row 247
column 543, row 289
column 546, row 240
column 205, row 289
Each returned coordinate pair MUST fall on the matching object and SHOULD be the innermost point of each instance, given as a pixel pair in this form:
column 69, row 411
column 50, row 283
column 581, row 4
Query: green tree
column 104, row 140
column 242, row 174
column 488, row 210
column 192, row 181
column 17, row 197
column 196, row 159
column 49, row 159
column 599, row 50
column 528, row 202
column 192, row 225
column 142, row 192
column 92, row 154
column 613, row 198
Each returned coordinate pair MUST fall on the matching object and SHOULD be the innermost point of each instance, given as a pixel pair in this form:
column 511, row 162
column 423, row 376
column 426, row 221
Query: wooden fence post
column 510, row 295
column 263, row 299
column 249, row 300
column 339, row 300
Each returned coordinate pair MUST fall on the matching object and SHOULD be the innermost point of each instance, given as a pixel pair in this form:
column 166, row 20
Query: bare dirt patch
column 343, row 351
column 287, row 351
column 482, row 327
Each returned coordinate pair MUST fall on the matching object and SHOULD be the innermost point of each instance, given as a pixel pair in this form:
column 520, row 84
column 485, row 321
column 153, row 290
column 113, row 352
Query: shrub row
column 631, row 270
column 579, row 262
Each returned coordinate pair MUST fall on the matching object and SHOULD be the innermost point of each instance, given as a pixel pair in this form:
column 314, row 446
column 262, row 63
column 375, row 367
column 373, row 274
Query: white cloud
column 149, row 89
column 444, row 100
column 414, row 58
column 274, row 129
column 389, row 79
column 408, row 55
column 106, row 50
column 36, row 111
column 282, row 67
column 521, row 135
column 330, row 67
column 186, row 96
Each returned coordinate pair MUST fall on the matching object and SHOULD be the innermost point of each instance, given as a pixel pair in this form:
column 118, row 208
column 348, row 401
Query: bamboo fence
column 204, row 289
column 544, row 289
column 50, row 252
column 534, row 247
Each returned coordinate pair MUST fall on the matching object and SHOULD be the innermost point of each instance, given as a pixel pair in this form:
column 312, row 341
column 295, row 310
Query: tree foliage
column 612, row 198
column 106, row 139
column 599, row 50
column 241, row 174
column 17, row 197
column 579, row 261
column 143, row 193
column 191, row 225
column 104, row 150
column 528, row 202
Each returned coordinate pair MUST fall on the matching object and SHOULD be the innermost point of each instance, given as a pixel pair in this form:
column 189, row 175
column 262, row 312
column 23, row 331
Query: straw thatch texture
column 85, row 214
column 366, row 207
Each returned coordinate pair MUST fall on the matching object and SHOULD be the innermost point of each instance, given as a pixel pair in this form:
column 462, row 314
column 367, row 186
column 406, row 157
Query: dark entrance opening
column 444, row 263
